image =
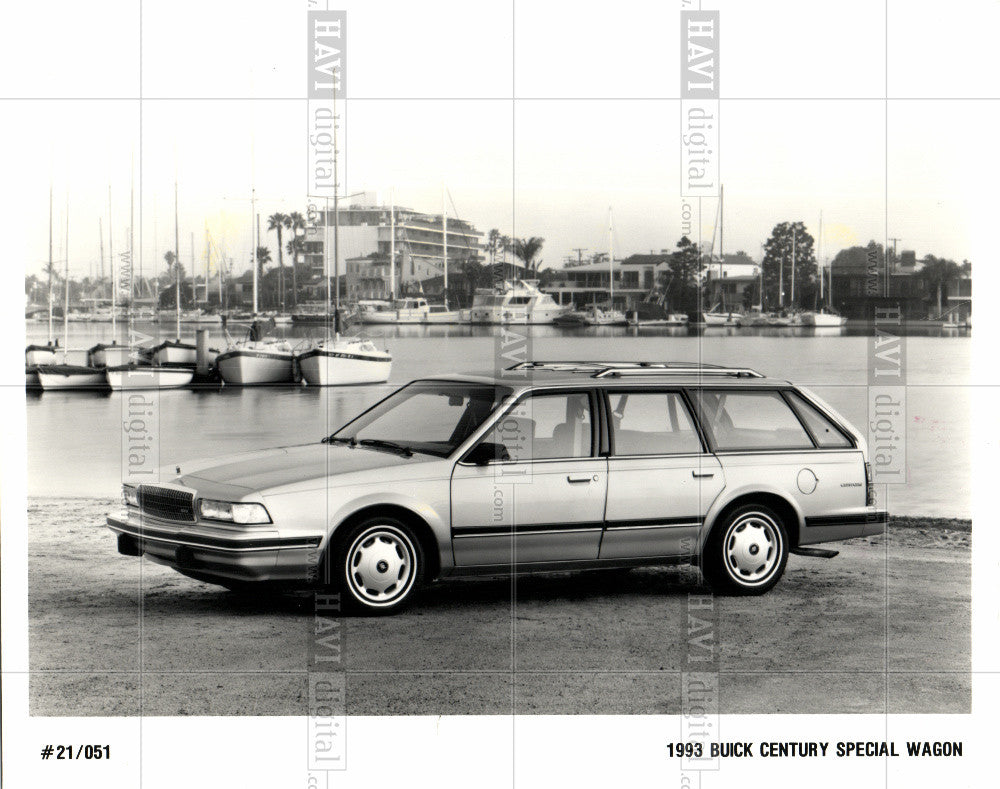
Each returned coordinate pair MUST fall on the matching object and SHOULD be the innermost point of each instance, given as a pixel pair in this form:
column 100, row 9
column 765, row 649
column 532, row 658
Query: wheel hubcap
column 753, row 549
column 381, row 565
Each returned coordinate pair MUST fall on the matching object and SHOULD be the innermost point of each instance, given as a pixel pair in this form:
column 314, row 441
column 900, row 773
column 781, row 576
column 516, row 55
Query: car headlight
column 130, row 493
column 233, row 511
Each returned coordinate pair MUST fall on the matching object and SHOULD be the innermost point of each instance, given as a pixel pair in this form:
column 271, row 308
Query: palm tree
column 295, row 223
column 493, row 244
column 504, row 246
column 279, row 222
column 527, row 250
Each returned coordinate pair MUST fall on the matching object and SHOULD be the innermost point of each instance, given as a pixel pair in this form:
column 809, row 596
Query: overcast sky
column 595, row 122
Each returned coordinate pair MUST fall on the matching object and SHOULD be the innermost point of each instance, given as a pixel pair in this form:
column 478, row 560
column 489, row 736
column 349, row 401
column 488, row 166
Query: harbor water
column 75, row 439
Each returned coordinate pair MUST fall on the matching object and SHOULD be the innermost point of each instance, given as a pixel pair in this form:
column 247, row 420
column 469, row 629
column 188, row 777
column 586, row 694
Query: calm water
column 75, row 438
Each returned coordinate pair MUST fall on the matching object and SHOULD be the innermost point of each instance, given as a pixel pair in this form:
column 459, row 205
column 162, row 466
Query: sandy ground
column 884, row 626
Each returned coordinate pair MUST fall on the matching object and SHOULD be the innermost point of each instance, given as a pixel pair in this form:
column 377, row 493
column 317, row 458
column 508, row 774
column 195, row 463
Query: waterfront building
column 365, row 241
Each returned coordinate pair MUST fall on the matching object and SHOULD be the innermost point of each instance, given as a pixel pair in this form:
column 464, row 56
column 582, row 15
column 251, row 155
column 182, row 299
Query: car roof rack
column 622, row 369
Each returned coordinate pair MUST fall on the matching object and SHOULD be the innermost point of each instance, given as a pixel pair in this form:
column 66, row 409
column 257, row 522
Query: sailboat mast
column 66, row 288
column 444, row 228
column 253, row 249
column 821, row 276
column 611, row 261
column 793, row 268
column 114, row 279
column 50, row 263
column 177, row 267
column 722, row 226
column 336, row 215
column 392, row 243
column 100, row 243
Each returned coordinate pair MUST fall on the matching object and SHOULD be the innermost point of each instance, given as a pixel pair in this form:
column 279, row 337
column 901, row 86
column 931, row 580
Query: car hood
column 272, row 468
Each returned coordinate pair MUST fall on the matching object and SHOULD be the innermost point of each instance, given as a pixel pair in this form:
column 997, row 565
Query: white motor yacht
column 514, row 302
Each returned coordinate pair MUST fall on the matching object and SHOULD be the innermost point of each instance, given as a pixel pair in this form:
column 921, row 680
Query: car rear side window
column 652, row 423
column 751, row 420
column 826, row 433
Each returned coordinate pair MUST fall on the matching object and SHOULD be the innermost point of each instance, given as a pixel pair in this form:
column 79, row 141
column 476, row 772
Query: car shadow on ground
column 182, row 597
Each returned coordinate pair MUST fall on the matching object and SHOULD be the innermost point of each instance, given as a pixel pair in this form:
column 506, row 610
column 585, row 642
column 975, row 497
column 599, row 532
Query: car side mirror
column 486, row 452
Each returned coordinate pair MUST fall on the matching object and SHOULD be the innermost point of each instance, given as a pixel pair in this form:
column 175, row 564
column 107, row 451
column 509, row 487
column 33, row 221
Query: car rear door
column 545, row 502
column 661, row 478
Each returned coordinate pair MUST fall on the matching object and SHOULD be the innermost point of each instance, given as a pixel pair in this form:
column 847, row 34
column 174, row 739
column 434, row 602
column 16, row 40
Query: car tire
column 378, row 566
column 746, row 552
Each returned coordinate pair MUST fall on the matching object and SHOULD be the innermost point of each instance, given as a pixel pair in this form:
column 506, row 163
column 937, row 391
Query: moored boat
column 70, row 376
column 256, row 362
column 344, row 361
column 108, row 354
column 39, row 354
column 518, row 302
column 174, row 353
column 143, row 376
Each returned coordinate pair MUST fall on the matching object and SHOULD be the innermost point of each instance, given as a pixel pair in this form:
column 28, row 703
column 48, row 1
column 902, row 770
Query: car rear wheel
column 380, row 564
column 746, row 552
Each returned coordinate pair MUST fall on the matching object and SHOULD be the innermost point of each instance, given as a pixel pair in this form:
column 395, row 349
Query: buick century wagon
column 539, row 467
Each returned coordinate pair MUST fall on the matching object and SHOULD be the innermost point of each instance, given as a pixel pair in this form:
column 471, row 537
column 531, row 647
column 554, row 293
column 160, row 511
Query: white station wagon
column 542, row 466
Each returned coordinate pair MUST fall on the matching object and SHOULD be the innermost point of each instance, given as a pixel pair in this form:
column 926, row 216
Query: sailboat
column 718, row 315
column 257, row 359
column 825, row 317
column 337, row 360
column 67, row 375
column 35, row 355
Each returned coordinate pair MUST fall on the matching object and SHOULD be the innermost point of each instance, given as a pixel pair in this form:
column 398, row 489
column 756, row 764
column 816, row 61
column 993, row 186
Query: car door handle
column 575, row 480
column 702, row 473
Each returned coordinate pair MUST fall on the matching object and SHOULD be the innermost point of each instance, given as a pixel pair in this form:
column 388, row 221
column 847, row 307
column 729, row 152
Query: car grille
column 167, row 503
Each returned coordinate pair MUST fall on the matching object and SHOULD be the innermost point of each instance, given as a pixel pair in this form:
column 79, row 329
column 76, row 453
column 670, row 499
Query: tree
column 939, row 272
column 263, row 258
column 527, row 249
column 777, row 265
column 278, row 222
column 296, row 222
column 493, row 244
column 680, row 281
column 476, row 275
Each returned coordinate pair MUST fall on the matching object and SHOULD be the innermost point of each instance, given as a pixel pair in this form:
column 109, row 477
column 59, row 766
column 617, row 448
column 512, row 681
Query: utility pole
column 579, row 254
column 893, row 240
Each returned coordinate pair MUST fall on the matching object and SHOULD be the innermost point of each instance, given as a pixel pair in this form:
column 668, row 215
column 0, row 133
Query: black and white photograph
column 518, row 394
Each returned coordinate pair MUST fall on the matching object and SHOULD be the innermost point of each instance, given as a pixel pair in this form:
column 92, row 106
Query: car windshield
column 432, row 417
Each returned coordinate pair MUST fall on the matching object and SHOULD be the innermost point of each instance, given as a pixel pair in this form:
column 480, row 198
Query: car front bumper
column 217, row 554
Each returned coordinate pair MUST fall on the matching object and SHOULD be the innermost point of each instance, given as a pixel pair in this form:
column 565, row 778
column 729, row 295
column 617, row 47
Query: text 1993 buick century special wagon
column 542, row 466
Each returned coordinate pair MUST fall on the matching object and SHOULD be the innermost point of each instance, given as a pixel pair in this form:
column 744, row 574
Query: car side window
column 826, row 433
column 652, row 423
column 546, row 426
column 751, row 420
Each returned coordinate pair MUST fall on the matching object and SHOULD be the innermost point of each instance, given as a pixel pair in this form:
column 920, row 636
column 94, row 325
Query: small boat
column 256, row 362
column 174, row 353
column 823, row 319
column 592, row 316
column 718, row 317
column 439, row 313
column 144, row 376
column 755, row 317
column 70, row 376
column 108, row 355
column 39, row 354
column 653, row 313
column 401, row 311
column 344, row 361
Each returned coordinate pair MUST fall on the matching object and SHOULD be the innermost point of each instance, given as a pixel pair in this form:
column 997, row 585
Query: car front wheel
column 380, row 564
column 746, row 552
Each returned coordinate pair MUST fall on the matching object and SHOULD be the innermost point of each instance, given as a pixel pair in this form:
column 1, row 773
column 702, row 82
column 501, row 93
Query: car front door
column 661, row 480
column 542, row 500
